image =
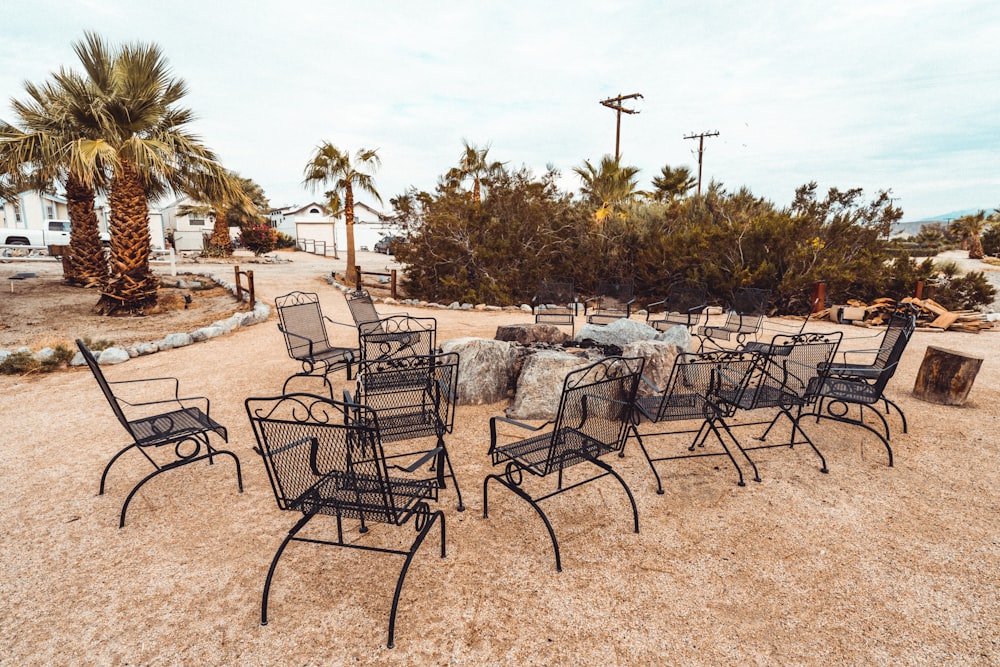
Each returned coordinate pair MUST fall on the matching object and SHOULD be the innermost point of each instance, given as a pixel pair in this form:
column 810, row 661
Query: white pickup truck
column 55, row 232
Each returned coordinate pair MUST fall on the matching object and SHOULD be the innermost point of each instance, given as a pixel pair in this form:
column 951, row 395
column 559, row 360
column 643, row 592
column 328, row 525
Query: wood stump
column 946, row 376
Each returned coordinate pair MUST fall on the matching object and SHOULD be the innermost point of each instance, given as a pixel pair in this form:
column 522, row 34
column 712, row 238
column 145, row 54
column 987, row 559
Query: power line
column 701, row 149
column 616, row 104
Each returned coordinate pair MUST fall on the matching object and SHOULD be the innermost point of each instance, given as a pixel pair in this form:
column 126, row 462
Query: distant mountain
column 912, row 227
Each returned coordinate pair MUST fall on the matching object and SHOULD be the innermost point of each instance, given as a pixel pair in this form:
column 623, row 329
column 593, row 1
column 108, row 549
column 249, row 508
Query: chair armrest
column 506, row 420
column 147, row 381
column 295, row 335
column 419, row 462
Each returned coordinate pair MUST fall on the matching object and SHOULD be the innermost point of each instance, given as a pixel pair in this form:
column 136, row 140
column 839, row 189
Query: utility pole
column 701, row 149
column 616, row 104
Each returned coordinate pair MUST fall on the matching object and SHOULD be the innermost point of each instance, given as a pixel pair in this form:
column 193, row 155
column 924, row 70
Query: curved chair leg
column 178, row 464
column 423, row 530
column 530, row 501
column 274, row 563
column 739, row 471
column 890, row 403
column 451, row 473
column 857, row 422
column 611, row 471
column 656, row 475
column 104, row 475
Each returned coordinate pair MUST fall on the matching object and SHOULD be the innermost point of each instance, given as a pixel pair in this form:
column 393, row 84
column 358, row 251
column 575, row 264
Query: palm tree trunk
column 85, row 263
column 131, row 287
column 221, row 241
column 975, row 247
column 349, row 224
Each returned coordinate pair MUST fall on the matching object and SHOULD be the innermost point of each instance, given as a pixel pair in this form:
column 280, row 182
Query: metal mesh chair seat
column 184, row 423
column 325, row 457
column 674, row 407
column 170, row 427
column 592, row 421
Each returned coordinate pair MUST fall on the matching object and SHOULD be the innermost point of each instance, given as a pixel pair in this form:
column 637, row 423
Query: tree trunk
column 946, row 376
column 349, row 224
column 221, row 240
column 975, row 247
column 85, row 263
column 131, row 286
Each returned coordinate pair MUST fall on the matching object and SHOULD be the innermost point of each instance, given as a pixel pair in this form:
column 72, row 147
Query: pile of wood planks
column 930, row 315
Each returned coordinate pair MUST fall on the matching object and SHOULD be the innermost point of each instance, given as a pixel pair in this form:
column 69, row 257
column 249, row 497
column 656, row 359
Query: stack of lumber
column 930, row 315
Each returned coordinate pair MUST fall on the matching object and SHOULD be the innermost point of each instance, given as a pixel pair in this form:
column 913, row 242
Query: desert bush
column 284, row 241
column 258, row 237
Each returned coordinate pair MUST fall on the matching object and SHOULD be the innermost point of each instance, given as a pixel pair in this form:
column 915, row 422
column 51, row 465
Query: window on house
column 314, row 211
column 197, row 222
column 48, row 212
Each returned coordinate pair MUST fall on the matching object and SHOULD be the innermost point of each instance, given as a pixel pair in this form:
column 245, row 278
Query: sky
column 900, row 95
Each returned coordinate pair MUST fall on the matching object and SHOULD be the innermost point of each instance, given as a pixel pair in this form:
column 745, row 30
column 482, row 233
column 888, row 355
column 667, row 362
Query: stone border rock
column 116, row 355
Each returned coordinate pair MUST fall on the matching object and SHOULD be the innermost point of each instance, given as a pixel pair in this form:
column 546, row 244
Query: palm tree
column 53, row 118
column 473, row 163
column 144, row 144
column 970, row 227
column 331, row 166
column 609, row 187
column 672, row 183
column 232, row 201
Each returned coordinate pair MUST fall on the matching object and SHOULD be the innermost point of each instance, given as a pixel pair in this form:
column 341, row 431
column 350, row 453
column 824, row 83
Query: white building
column 31, row 210
column 189, row 231
column 312, row 226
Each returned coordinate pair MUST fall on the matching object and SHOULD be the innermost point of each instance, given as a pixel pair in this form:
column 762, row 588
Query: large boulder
column 485, row 368
column 539, row 385
column 659, row 356
column 679, row 336
column 526, row 334
column 620, row 333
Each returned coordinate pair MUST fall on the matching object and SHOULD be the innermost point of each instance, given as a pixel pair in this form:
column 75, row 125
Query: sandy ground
column 867, row 565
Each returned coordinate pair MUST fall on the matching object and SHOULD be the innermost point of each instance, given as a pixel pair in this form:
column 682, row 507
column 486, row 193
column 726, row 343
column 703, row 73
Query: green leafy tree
column 331, row 166
column 473, row 163
column 672, row 183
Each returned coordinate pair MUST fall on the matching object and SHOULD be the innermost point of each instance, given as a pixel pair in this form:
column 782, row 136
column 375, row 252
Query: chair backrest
column 750, row 301
column 793, row 370
column 595, row 409
column 556, row 291
column 897, row 335
column 300, row 318
column 362, row 308
column 699, row 382
column 685, row 296
column 323, row 456
column 614, row 293
column 397, row 336
column 102, row 382
column 396, row 386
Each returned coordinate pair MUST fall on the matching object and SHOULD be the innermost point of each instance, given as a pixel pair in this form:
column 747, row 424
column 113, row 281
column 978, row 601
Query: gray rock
column 143, row 349
column 539, row 385
column 45, row 354
column 485, row 368
column 176, row 340
column 112, row 356
column 4, row 354
column 659, row 356
column 454, row 305
column 621, row 332
column 524, row 308
column 679, row 336
column 528, row 333
column 205, row 333
column 77, row 360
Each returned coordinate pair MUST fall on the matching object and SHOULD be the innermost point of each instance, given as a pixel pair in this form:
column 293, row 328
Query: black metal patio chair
column 690, row 395
column 414, row 398
column 613, row 301
column 744, row 318
column 592, row 421
column 397, row 336
column 362, row 308
column 684, row 305
column 787, row 380
column 169, row 431
column 301, row 320
column 863, row 385
column 325, row 457
column 556, row 302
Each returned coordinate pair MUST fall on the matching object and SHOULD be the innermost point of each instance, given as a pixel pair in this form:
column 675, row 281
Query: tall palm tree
column 610, row 187
column 36, row 153
column 473, row 164
column 144, row 144
column 672, row 183
column 970, row 228
column 329, row 166
column 232, row 201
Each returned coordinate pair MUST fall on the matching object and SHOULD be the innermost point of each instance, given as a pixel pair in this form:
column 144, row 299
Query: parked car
column 54, row 233
column 387, row 244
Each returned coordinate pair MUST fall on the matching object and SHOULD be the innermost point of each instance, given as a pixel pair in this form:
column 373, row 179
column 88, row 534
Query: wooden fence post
column 392, row 283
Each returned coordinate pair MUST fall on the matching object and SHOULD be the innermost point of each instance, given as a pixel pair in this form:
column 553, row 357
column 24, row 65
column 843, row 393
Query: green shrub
column 258, row 237
column 284, row 241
